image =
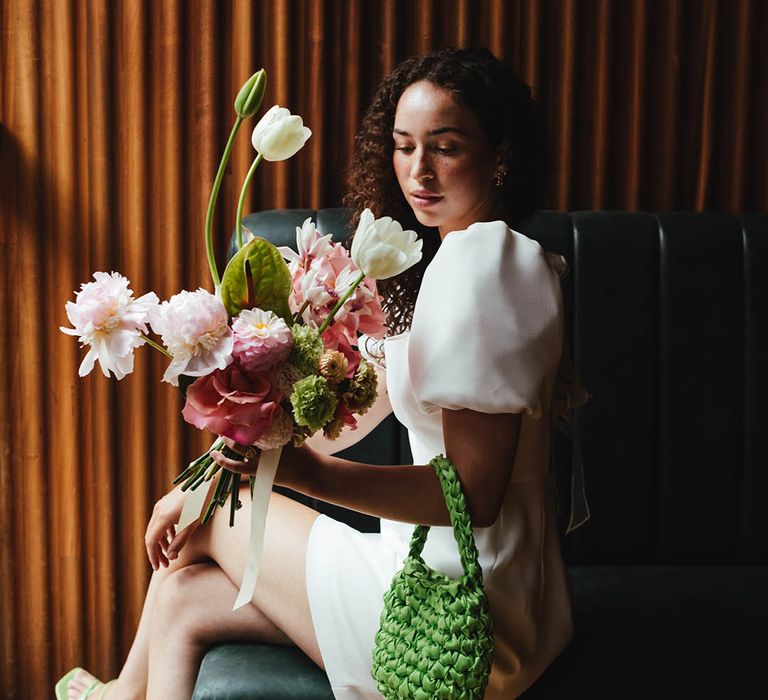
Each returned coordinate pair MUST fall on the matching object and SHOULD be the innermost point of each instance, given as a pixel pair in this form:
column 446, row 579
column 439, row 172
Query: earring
column 500, row 177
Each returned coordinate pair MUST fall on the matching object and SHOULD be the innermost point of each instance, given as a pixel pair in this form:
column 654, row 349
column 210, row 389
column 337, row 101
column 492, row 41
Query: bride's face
column 443, row 161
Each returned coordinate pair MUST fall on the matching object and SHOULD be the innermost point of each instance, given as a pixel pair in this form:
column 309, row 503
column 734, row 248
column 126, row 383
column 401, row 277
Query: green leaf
column 271, row 280
column 184, row 383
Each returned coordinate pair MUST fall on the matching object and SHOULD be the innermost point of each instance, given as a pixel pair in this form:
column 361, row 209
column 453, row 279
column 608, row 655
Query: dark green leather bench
column 667, row 317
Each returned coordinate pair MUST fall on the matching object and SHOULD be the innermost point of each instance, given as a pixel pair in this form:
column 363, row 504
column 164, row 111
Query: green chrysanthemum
column 306, row 350
column 313, row 401
column 362, row 392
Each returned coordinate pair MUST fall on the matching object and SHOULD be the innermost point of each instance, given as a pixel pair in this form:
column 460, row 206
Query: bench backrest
column 667, row 317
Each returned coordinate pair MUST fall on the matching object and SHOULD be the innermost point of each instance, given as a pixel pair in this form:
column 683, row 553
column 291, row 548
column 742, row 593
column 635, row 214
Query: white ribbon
column 193, row 505
column 262, row 491
column 569, row 394
column 579, row 506
column 194, row 500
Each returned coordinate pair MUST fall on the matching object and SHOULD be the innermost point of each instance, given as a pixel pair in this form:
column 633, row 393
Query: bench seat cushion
column 641, row 632
column 664, row 632
column 260, row 672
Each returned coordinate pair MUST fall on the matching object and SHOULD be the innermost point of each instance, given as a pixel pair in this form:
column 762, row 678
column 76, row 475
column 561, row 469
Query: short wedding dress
column 487, row 334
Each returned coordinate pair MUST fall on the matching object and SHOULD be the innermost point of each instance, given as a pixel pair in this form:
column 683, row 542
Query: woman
column 451, row 144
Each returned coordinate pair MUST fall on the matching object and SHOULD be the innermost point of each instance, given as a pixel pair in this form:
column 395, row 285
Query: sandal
column 61, row 686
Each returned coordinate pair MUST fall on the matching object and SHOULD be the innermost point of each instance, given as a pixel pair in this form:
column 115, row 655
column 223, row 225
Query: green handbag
column 435, row 639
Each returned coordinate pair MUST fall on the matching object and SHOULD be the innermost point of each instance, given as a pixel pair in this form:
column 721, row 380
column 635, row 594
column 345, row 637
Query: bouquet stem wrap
column 436, row 634
column 262, row 491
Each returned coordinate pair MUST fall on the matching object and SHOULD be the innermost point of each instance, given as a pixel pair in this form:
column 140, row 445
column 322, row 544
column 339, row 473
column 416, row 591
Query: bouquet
column 270, row 356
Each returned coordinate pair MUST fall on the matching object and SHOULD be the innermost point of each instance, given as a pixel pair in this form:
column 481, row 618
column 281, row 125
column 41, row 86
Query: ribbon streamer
column 569, row 394
column 193, row 504
column 579, row 506
column 262, row 491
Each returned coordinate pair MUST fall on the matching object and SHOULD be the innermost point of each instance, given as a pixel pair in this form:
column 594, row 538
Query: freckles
column 399, row 174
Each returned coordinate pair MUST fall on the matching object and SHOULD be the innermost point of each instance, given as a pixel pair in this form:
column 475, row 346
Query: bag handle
column 460, row 520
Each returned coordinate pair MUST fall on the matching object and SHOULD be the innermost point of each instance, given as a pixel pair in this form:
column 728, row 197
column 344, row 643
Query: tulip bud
column 381, row 249
column 249, row 98
column 279, row 134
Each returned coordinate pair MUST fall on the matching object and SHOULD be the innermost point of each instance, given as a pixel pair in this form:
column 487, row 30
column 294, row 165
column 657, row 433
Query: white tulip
column 279, row 134
column 381, row 248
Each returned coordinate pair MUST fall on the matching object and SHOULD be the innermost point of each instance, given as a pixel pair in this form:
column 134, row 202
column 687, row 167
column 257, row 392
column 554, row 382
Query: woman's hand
column 161, row 539
column 250, row 454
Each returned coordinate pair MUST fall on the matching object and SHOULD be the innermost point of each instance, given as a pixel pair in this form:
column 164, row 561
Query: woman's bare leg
column 281, row 585
column 193, row 611
column 132, row 682
column 279, row 612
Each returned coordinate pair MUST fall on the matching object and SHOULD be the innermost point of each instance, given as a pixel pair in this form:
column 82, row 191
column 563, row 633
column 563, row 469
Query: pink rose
column 232, row 403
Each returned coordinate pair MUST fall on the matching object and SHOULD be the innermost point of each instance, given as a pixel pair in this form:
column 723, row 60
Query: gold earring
column 500, row 177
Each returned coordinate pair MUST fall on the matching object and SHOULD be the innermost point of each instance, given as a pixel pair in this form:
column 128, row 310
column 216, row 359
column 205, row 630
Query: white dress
column 486, row 335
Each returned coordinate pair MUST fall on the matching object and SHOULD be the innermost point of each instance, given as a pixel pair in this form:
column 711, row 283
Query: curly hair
column 504, row 107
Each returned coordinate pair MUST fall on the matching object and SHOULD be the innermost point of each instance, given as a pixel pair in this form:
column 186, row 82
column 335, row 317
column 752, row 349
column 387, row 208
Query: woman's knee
column 178, row 601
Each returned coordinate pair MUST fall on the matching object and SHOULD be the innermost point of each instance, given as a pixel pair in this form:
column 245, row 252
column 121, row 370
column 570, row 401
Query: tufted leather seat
column 667, row 318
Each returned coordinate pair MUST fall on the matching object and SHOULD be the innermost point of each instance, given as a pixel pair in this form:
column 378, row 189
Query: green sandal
column 61, row 686
column 93, row 686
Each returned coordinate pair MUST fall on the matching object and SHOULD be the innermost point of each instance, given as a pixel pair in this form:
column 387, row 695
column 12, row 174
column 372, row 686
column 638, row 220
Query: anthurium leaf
column 185, row 381
column 270, row 280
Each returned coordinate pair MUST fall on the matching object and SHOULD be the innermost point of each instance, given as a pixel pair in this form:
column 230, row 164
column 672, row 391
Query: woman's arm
column 365, row 423
column 482, row 447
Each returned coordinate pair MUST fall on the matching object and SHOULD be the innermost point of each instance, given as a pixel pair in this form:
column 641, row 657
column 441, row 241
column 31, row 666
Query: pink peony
column 262, row 339
column 195, row 329
column 110, row 321
column 233, row 403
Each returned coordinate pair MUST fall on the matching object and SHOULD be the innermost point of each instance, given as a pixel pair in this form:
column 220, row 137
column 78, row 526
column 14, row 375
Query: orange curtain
column 113, row 118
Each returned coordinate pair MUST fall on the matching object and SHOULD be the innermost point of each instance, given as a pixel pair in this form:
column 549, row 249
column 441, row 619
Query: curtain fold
column 113, row 117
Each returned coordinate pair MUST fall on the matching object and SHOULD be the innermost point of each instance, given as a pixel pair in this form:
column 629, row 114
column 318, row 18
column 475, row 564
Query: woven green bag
column 435, row 640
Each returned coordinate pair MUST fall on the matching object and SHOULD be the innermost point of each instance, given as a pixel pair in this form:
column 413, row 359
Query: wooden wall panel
column 113, row 116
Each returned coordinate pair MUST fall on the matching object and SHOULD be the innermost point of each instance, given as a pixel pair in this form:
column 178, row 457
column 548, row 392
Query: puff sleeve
column 488, row 323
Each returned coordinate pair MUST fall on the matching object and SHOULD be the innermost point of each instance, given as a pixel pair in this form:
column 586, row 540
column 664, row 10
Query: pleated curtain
column 113, row 116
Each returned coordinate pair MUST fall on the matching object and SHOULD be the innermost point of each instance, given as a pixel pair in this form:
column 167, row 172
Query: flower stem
column 183, row 475
column 212, row 203
column 156, row 346
column 340, row 303
column 212, row 470
column 241, row 201
column 200, row 474
column 215, row 499
column 301, row 311
column 234, row 500
column 194, row 466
